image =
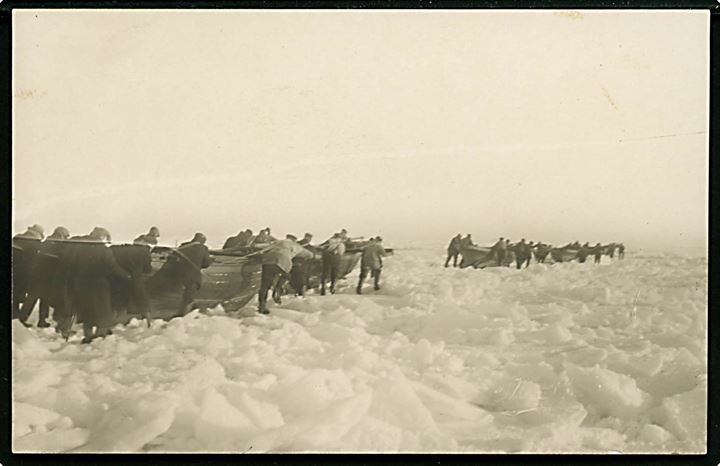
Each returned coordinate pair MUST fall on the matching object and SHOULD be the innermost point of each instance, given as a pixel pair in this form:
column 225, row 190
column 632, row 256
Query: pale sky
column 415, row 125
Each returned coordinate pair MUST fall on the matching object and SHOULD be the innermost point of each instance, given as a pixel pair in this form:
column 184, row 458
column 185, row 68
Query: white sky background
column 412, row 125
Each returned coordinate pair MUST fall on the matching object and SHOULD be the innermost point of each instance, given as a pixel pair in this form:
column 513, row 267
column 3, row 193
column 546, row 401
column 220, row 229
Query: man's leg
column 376, row 276
column 363, row 274
column 27, row 307
column 455, row 259
column 44, row 313
column 269, row 272
column 323, row 276
column 333, row 273
column 187, row 298
column 447, row 261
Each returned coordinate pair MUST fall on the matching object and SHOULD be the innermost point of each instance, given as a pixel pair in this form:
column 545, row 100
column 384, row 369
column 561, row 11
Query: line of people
column 83, row 280
column 524, row 251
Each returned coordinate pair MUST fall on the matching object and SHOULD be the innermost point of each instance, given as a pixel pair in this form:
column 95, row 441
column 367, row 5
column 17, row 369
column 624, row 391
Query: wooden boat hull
column 232, row 280
column 480, row 257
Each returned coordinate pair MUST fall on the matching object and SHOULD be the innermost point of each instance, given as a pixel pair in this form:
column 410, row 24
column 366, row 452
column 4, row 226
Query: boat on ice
column 232, row 279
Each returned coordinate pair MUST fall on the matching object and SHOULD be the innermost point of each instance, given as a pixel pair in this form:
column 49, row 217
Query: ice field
column 563, row 358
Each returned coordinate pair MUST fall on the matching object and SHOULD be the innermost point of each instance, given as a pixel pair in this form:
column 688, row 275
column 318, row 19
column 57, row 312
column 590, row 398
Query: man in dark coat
column 541, row 252
column 583, row 253
column 240, row 240
column 597, row 252
column 150, row 237
column 25, row 247
column 453, row 250
column 95, row 267
column 621, row 251
column 131, row 295
column 41, row 277
column 522, row 252
column 499, row 249
column 191, row 257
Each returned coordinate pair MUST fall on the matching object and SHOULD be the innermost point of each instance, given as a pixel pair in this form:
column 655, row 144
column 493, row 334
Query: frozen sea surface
column 563, row 358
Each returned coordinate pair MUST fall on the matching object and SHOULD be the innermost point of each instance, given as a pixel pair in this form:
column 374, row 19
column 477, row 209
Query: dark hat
column 292, row 237
column 101, row 234
column 61, row 232
column 378, row 239
column 37, row 229
column 199, row 238
column 154, row 231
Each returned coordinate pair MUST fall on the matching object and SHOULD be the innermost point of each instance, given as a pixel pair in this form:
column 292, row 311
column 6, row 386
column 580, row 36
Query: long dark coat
column 131, row 295
column 93, row 269
column 24, row 253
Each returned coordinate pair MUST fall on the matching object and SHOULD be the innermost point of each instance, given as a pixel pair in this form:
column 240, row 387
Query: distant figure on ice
column 583, row 253
column 499, row 249
column 522, row 253
column 531, row 248
column 466, row 242
column 611, row 250
column 621, row 251
column 150, row 237
column 277, row 262
column 597, row 252
column 25, row 247
column 453, row 250
column 41, row 277
column 331, row 257
column 371, row 262
column 94, row 268
column 131, row 295
column 541, row 252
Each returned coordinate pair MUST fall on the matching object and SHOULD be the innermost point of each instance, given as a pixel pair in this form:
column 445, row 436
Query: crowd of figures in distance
column 84, row 279
column 505, row 253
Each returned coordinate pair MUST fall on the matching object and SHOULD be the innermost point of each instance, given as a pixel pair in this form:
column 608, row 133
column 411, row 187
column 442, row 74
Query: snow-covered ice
column 563, row 358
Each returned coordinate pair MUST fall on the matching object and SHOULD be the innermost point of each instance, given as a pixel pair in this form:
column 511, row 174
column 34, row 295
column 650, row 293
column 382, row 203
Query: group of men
column 524, row 251
column 289, row 261
column 84, row 280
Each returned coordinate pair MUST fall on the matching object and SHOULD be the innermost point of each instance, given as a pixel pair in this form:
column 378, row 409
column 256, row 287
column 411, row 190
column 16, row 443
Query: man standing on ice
column 94, row 267
column 276, row 263
column 331, row 256
column 25, row 247
column 41, row 277
column 453, row 250
column 499, row 249
column 131, row 295
column 621, row 251
column 522, row 252
column 371, row 262
column 597, row 252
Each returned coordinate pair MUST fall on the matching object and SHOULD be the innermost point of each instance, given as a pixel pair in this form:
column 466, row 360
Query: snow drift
column 563, row 358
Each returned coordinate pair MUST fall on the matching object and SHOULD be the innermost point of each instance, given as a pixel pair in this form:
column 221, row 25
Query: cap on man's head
column 37, row 229
column 154, row 232
column 291, row 237
column 61, row 232
column 199, row 238
column 308, row 235
column 378, row 239
column 100, row 233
